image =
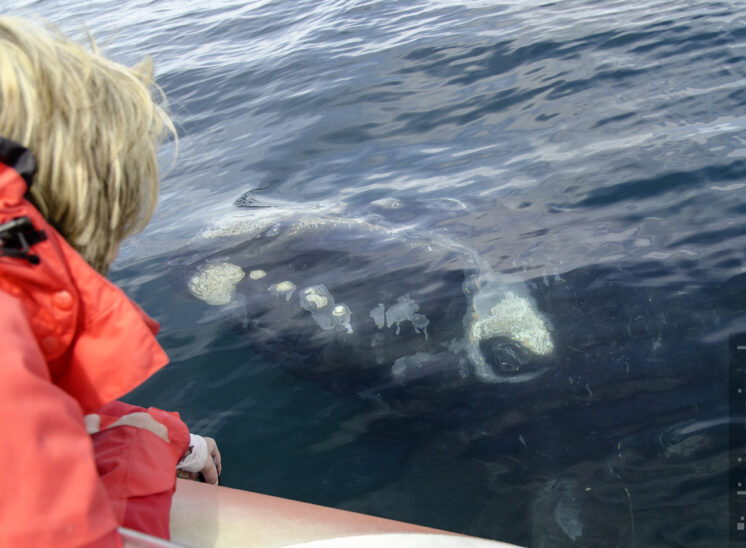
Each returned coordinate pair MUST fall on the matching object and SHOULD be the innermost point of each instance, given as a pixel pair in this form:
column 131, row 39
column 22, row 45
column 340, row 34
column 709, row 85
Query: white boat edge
column 220, row 517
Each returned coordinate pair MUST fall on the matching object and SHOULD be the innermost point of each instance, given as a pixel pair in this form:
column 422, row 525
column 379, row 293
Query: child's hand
column 202, row 460
column 213, row 467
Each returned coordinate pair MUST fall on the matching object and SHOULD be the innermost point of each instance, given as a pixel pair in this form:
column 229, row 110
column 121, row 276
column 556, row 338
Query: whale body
column 325, row 296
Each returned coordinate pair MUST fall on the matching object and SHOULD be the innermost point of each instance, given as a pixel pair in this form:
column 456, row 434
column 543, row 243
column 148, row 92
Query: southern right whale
column 364, row 305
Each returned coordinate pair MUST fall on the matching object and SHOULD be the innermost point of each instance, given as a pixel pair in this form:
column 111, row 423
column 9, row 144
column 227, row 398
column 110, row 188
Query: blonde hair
column 93, row 127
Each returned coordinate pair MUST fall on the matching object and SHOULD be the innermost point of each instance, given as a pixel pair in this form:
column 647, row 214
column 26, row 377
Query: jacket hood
column 98, row 344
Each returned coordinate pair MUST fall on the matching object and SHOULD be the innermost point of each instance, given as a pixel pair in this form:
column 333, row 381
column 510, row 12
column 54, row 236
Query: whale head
column 327, row 295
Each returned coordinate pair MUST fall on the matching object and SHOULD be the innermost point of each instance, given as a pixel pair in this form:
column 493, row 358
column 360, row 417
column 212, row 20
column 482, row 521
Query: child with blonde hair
column 78, row 174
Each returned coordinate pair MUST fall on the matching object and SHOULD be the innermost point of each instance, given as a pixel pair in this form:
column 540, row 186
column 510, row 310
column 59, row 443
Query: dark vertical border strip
column 737, row 437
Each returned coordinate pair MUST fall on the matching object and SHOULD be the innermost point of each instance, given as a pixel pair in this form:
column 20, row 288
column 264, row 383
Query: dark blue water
column 593, row 151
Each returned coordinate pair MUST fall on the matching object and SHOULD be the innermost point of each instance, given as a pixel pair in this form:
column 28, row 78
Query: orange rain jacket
column 72, row 342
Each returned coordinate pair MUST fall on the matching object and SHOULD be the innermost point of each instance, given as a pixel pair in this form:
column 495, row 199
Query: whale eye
column 504, row 355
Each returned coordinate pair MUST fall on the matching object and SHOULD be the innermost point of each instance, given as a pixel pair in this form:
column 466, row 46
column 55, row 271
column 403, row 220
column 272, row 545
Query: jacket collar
column 98, row 344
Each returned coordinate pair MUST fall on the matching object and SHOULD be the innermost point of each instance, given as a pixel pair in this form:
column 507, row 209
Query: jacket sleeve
column 178, row 432
column 52, row 494
column 138, row 468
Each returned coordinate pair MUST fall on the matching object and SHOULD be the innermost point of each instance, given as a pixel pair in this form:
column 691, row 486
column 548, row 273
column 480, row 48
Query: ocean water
column 592, row 152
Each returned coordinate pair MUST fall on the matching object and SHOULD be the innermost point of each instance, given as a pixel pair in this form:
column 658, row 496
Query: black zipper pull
column 17, row 237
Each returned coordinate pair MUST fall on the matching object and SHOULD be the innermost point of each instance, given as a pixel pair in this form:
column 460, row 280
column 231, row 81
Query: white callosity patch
column 379, row 315
column 283, row 289
column 257, row 274
column 265, row 220
column 515, row 317
column 403, row 310
column 420, row 323
column 341, row 314
column 236, row 225
column 215, row 284
column 500, row 306
column 387, row 203
column 289, row 220
column 317, row 300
